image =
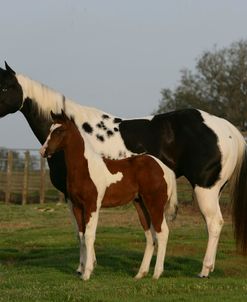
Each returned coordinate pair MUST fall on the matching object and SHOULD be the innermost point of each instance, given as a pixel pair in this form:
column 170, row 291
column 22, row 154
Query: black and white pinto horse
column 207, row 150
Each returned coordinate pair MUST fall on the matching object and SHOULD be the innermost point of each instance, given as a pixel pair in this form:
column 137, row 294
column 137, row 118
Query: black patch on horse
column 87, row 128
column 100, row 137
column 117, row 120
column 101, row 125
column 181, row 140
column 109, row 133
column 105, row 116
column 115, row 129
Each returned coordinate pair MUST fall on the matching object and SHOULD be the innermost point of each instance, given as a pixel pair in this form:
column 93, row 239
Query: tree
column 219, row 85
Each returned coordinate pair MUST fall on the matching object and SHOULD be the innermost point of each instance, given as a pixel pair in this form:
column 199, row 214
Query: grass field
column 39, row 254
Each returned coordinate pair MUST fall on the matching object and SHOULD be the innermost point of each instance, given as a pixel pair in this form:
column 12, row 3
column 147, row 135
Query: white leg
column 162, row 238
column 81, row 239
column 89, row 242
column 208, row 200
column 150, row 243
column 80, row 268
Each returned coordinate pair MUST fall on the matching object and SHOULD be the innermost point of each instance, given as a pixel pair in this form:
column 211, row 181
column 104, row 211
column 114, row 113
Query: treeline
column 218, row 85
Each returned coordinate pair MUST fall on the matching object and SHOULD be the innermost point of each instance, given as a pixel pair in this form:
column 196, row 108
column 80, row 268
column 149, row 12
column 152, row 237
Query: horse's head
column 11, row 94
column 59, row 133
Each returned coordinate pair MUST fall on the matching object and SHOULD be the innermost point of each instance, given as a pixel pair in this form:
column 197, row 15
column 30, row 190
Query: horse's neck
column 39, row 101
column 46, row 99
column 39, row 123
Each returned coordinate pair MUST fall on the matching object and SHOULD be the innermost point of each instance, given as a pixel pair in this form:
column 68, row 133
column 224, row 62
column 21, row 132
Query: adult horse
column 207, row 150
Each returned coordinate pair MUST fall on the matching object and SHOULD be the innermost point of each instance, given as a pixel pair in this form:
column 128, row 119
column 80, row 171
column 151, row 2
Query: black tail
column 239, row 204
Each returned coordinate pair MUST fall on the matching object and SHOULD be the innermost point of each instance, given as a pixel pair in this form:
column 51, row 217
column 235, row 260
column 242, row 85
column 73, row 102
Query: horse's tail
column 238, row 189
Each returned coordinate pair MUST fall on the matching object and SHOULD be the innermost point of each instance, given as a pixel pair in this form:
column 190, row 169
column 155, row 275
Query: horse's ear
column 9, row 69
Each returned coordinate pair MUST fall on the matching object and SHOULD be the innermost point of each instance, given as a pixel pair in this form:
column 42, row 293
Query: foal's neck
column 74, row 155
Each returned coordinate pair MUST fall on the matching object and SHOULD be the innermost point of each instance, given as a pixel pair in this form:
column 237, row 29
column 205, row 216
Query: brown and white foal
column 94, row 182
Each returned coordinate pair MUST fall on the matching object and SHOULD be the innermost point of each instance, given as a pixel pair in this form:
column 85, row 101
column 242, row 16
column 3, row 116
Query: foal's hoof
column 157, row 275
column 202, row 276
column 79, row 270
column 86, row 276
column 141, row 275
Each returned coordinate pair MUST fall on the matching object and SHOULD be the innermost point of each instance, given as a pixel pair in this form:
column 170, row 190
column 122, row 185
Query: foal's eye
column 59, row 131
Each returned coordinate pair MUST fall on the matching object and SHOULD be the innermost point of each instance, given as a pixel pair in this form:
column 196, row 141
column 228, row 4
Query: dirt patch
column 187, row 214
column 15, row 226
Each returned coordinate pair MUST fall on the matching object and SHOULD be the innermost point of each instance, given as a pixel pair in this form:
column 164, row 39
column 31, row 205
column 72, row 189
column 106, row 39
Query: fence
column 24, row 178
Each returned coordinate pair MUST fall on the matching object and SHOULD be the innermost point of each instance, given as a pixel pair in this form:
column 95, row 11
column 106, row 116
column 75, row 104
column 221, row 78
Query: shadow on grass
column 110, row 260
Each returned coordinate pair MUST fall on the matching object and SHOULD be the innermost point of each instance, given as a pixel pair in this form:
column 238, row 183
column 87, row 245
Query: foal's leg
column 208, row 200
column 162, row 238
column 149, row 250
column 89, row 242
column 150, row 238
column 79, row 217
column 155, row 204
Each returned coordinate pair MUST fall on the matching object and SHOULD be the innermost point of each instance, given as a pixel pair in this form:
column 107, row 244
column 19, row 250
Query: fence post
column 25, row 178
column 9, row 174
column 42, row 180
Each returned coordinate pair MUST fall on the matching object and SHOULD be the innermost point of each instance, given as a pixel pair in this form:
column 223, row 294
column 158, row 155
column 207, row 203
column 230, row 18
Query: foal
column 94, row 182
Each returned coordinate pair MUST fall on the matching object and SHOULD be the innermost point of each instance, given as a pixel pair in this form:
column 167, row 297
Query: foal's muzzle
column 44, row 153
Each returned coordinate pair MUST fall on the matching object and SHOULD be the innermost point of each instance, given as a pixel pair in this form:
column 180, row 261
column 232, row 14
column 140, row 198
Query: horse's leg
column 162, row 238
column 89, row 242
column 208, row 201
column 150, row 238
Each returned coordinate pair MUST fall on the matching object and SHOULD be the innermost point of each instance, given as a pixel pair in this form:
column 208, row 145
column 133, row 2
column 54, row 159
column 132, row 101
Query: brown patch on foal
column 143, row 176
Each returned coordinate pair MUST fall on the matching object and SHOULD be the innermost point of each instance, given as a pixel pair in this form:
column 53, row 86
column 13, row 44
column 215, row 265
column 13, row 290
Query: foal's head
column 61, row 133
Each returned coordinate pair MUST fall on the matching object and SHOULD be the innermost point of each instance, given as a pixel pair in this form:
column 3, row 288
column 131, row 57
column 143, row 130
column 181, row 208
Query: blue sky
column 110, row 54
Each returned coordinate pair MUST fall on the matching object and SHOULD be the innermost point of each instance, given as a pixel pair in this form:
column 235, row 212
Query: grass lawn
column 39, row 254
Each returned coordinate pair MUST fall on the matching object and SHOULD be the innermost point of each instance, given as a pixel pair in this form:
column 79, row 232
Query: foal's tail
column 171, row 210
column 238, row 185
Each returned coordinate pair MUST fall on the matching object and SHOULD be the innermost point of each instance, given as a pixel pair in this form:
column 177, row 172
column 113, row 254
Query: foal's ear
column 65, row 116
column 53, row 115
column 9, row 69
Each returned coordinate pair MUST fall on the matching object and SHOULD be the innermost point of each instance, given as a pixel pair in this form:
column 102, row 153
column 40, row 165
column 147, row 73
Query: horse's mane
column 47, row 99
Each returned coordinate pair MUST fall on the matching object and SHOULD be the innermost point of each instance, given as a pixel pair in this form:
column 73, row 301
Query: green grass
column 39, row 254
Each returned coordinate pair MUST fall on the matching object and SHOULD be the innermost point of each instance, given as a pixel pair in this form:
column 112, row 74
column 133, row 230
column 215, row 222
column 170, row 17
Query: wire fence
column 24, row 178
